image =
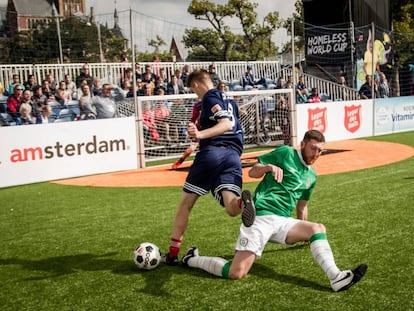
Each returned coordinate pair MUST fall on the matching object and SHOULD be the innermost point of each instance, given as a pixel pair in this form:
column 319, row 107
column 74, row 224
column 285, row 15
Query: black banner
column 327, row 46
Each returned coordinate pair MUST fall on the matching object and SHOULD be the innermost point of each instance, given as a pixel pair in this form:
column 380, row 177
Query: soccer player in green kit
column 288, row 182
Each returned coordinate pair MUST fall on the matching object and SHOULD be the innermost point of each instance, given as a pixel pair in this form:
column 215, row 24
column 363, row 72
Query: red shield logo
column 317, row 119
column 352, row 118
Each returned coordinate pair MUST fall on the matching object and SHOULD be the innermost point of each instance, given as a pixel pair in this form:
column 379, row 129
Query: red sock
column 239, row 202
column 174, row 247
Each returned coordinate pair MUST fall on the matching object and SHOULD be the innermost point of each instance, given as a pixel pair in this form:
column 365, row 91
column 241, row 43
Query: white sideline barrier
column 36, row 153
column 337, row 120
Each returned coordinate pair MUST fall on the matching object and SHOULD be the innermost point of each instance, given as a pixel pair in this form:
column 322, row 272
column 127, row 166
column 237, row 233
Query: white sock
column 321, row 251
column 213, row 265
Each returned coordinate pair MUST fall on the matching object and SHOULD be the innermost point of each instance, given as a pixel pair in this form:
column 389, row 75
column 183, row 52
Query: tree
column 156, row 43
column 403, row 25
column 298, row 23
column 79, row 40
column 219, row 42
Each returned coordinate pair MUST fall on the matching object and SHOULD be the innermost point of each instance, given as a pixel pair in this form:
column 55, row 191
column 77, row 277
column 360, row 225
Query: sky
column 175, row 11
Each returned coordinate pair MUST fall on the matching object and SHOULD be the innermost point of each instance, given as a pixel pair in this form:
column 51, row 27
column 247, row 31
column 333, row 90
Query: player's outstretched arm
column 259, row 170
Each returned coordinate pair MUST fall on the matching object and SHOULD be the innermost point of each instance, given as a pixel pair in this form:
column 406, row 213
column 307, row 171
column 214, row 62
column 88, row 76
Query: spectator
column 13, row 102
column 195, row 118
column 148, row 75
column 138, row 72
column 60, row 97
column 128, row 79
column 67, row 95
column 289, row 83
column 213, row 75
column 383, row 87
column 148, row 89
column 85, row 104
column 178, row 73
column 27, row 99
column 184, row 74
column 52, row 83
column 16, row 80
column 30, row 83
column 96, row 87
column 162, row 117
column 178, row 121
column 39, row 100
column 344, row 88
column 105, row 104
column 162, row 79
column 79, row 92
column 365, row 91
column 43, row 117
column 150, row 130
column 222, row 86
column 281, row 83
column 314, row 96
column 46, row 90
column 25, row 118
column 301, row 84
column 175, row 87
column 302, row 96
column 263, row 117
column 248, row 79
column 302, row 92
column 70, row 85
column 84, row 75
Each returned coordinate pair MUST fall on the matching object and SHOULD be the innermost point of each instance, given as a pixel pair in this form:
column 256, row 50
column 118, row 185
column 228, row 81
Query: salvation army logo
column 352, row 118
column 317, row 119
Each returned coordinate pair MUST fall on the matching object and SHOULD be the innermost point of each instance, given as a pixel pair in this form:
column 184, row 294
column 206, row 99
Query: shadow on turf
column 55, row 267
column 154, row 280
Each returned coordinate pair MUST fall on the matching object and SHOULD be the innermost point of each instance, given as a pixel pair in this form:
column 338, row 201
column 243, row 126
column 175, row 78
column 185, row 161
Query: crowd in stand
column 30, row 102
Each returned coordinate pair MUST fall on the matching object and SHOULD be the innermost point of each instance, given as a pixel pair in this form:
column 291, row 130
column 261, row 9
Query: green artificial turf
column 69, row 248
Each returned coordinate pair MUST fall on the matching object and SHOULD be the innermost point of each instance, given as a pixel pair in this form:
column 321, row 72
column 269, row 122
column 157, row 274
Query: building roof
column 33, row 8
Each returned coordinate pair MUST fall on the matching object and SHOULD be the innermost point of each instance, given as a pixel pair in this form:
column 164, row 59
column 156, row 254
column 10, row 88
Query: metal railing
column 227, row 71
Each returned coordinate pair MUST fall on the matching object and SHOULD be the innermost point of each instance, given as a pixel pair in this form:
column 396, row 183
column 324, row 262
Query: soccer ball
column 147, row 256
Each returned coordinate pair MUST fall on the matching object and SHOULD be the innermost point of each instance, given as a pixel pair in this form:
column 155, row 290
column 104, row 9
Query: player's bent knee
column 237, row 275
column 317, row 228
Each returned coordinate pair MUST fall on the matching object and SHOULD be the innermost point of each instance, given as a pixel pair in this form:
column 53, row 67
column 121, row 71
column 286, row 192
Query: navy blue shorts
column 215, row 169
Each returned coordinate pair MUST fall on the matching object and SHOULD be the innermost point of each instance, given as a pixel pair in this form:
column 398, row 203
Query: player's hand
column 277, row 172
column 192, row 130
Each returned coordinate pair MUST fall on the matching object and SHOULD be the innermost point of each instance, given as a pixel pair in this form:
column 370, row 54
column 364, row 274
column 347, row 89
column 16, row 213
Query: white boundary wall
column 36, row 153
column 337, row 120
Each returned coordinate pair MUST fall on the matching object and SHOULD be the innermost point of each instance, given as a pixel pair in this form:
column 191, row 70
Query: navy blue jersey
column 216, row 105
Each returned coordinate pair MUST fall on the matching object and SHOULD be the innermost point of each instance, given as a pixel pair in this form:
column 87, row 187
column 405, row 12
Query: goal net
column 265, row 117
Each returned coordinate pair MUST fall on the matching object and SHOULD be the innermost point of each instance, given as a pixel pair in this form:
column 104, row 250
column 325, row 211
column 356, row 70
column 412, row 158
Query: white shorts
column 268, row 228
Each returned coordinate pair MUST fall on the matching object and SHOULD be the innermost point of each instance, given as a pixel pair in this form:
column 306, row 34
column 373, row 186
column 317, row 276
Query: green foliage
column 69, row 248
column 298, row 27
column 219, row 42
column 403, row 26
column 79, row 39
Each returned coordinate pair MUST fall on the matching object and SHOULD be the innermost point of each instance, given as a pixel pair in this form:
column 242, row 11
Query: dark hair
column 314, row 134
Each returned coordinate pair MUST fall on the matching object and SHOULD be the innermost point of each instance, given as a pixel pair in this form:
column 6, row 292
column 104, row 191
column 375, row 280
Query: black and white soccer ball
column 147, row 256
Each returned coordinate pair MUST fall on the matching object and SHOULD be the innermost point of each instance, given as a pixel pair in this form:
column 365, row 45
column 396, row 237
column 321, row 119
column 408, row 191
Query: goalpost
column 266, row 116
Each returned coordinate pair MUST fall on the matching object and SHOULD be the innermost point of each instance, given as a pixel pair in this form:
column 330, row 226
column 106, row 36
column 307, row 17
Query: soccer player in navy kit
column 217, row 165
column 287, row 184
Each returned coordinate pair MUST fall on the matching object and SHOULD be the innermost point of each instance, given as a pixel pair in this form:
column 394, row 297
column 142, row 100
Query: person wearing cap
column 248, row 79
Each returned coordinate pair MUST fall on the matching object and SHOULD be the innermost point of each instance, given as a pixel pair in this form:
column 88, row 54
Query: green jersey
column 273, row 198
